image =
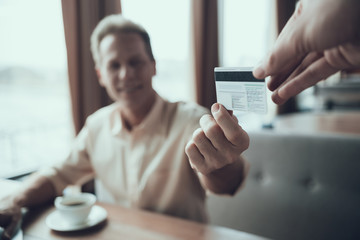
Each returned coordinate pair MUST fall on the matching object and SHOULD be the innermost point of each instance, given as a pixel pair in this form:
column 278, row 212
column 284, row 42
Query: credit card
column 238, row 90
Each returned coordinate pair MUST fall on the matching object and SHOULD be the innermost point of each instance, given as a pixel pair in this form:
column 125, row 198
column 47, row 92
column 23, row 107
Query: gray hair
column 116, row 24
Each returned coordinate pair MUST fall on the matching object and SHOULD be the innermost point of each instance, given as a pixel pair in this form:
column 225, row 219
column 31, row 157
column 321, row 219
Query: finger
column 225, row 150
column 346, row 56
column 235, row 119
column 277, row 99
column 204, row 145
column 194, row 155
column 276, row 80
column 279, row 80
column 308, row 60
column 232, row 131
column 288, row 51
column 14, row 225
column 316, row 72
column 213, row 132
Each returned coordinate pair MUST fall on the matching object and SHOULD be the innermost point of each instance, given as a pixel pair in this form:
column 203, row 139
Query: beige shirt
column 146, row 168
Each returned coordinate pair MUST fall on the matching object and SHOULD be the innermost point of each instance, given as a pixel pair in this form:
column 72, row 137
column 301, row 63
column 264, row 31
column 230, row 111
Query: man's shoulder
column 184, row 115
column 188, row 109
column 101, row 114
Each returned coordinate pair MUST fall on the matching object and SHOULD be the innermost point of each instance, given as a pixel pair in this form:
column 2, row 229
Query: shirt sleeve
column 76, row 169
column 246, row 169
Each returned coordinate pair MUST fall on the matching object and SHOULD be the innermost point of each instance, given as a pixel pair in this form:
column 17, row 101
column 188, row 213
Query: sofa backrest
column 298, row 187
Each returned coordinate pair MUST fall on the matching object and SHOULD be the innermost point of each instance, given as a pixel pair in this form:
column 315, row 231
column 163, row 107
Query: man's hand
column 321, row 38
column 216, row 146
column 10, row 218
column 34, row 191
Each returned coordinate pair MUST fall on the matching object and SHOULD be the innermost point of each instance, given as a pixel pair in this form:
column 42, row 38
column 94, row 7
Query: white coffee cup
column 75, row 208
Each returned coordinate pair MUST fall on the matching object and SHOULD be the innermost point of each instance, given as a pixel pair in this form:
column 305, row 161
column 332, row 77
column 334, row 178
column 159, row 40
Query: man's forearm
column 35, row 191
column 227, row 179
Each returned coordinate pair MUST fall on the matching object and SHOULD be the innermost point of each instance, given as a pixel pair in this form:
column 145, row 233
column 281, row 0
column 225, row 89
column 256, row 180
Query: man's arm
column 35, row 191
column 214, row 151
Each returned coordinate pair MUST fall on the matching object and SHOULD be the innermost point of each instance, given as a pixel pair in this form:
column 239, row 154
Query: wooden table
column 320, row 122
column 124, row 223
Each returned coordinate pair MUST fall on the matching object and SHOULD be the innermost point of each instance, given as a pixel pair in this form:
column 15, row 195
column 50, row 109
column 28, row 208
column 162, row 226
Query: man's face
column 126, row 70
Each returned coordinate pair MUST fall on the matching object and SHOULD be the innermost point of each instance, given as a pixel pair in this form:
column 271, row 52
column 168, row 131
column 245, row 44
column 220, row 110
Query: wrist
column 18, row 201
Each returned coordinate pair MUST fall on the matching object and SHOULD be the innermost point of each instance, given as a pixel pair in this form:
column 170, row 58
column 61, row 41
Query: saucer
column 56, row 222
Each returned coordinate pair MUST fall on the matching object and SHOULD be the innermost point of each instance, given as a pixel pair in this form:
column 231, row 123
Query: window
column 35, row 122
column 168, row 24
column 244, row 32
column 245, row 36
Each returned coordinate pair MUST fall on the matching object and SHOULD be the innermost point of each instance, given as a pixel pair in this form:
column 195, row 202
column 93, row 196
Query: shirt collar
column 150, row 123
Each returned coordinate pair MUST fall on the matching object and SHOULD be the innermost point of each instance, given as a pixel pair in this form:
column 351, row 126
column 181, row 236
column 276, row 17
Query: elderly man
column 136, row 146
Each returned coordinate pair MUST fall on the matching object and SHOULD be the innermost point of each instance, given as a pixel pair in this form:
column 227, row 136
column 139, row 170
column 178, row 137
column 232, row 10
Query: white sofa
column 299, row 187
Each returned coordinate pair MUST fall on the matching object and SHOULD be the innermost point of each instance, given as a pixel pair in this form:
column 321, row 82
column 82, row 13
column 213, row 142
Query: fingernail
column 215, row 108
column 259, row 72
column 276, row 98
column 280, row 92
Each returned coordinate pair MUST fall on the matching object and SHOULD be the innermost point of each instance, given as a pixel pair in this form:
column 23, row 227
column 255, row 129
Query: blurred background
column 44, row 100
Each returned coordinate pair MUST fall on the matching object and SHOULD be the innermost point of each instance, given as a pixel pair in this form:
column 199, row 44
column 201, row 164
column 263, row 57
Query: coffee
column 73, row 204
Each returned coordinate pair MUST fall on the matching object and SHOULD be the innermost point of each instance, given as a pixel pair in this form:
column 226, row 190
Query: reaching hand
column 219, row 141
column 321, row 38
